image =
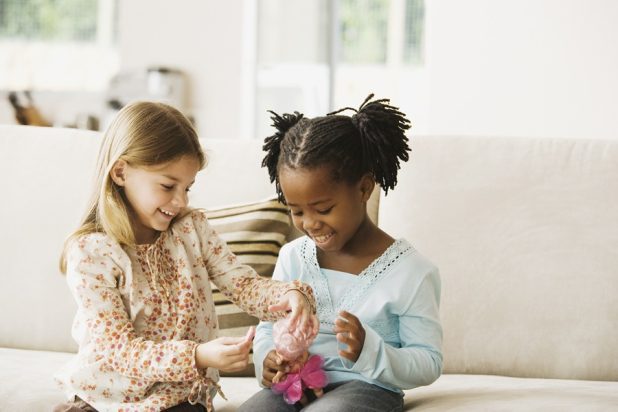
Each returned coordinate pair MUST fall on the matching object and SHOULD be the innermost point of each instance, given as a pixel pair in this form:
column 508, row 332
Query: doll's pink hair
column 290, row 344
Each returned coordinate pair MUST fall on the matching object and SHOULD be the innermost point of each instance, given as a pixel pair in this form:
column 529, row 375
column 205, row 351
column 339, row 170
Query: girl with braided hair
column 377, row 297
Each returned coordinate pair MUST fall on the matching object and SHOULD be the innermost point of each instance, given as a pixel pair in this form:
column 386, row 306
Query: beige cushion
column 459, row 393
column 27, row 385
column 255, row 233
column 525, row 234
column 50, row 175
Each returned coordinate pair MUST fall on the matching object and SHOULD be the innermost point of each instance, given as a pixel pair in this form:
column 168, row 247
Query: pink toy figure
column 304, row 371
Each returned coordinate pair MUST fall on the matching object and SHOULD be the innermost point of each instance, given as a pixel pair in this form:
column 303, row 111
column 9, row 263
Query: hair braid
column 382, row 130
column 272, row 144
column 372, row 141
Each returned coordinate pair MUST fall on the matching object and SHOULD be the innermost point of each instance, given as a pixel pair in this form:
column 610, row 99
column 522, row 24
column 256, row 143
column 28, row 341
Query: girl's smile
column 322, row 240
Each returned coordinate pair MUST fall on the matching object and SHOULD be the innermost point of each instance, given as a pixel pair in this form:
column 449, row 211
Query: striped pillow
column 255, row 233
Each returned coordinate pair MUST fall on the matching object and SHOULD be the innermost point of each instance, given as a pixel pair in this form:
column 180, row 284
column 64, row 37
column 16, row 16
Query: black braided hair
column 272, row 145
column 372, row 141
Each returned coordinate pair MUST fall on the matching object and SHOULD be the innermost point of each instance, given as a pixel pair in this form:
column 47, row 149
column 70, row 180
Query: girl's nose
column 181, row 199
column 311, row 224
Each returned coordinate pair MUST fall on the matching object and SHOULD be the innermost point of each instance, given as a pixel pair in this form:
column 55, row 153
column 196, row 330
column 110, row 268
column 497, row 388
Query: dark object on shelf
column 114, row 104
column 26, row 112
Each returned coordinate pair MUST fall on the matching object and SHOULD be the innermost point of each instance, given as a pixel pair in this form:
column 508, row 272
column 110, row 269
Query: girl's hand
column 271, row 366
column 302, row 316
column 226, row 353
column 350, row 331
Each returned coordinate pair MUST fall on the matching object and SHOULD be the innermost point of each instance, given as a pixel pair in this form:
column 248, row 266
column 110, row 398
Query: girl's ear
column 118, row 172
column 367, row 184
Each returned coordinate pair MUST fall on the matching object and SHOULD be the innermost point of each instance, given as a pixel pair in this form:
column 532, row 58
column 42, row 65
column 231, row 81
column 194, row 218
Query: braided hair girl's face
column 330, row 211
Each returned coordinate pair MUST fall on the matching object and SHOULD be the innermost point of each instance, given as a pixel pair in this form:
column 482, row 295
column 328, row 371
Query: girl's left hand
column 301, row 316
column 350, row 331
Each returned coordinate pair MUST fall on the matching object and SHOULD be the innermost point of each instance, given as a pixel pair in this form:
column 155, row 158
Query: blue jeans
column 350, row 396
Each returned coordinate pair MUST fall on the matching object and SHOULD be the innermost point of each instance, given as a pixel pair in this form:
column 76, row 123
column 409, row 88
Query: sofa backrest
column 47, row 175
column 525, row 234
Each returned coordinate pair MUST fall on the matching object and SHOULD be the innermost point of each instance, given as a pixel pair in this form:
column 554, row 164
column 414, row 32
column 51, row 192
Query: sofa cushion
column 501, row 393
column 27, row 385
column 26, row 379
column 524, row 232
column 255, row 233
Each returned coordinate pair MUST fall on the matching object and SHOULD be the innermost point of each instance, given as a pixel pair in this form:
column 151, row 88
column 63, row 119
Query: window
column 363, row 29
column 381, row 31
column 292, row 59
column 414, row 31
column 315, row 56
column 57, row 44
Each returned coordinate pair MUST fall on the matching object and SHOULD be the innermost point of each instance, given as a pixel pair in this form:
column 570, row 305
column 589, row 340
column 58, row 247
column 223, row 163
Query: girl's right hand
column 301, row 315
column 272, row 364
column 226, row 354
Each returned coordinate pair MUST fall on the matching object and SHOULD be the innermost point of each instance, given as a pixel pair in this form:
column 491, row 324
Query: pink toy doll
column 304, row 371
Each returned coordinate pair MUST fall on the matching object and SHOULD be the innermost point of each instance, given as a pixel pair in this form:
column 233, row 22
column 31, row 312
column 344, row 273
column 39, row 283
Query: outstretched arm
column 259, row 296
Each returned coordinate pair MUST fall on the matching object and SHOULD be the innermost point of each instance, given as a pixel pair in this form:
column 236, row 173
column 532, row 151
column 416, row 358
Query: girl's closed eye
column 167, row 187
column 326, row 211
column 296, row 212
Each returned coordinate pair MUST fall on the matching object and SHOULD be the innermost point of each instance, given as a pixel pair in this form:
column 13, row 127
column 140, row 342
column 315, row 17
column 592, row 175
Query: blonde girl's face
column 156, row 194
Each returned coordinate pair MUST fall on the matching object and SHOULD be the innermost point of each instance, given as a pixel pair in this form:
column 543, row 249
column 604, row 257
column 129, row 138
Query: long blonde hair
column 142, row 134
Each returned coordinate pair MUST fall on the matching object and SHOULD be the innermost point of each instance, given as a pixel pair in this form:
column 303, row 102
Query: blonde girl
column 139, row 267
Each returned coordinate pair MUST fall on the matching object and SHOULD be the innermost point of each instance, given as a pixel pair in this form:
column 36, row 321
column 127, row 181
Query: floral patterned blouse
column 141, row 312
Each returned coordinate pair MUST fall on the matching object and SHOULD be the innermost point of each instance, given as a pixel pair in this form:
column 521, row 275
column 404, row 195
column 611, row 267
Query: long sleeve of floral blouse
column 94, row 276
column 240, row 283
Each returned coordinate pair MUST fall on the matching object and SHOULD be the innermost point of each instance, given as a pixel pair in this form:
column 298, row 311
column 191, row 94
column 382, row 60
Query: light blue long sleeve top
column 396, row 299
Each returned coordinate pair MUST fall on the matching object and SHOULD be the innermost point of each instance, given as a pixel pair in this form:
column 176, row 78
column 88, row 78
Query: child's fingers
column 229, row 340
column 237, row 366
column 316, row 325
column 350, row 340
column 274, row 362
column 294, row 322
column 277, row 307
column 309, row 324
column 237, row 358
column 245, row 347
column 353, row 344
column 269, row 364
column 344, row 338
column 250, row 334
column 312, row 326
column 348, row 355
column 284, row 304
column 342, row 326
column 268, row 381
column 348, row 317
column 242, row 348
column 291, row 301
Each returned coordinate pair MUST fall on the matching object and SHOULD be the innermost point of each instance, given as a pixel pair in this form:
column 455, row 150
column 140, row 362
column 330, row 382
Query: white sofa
column 524, row 231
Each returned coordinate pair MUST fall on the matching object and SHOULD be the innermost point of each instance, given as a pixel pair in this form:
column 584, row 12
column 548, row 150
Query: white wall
column 203, row 38
column 492, row 67
column 523, row 68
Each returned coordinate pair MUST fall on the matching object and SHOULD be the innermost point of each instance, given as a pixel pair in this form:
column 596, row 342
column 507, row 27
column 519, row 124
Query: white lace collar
column 327, row 311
